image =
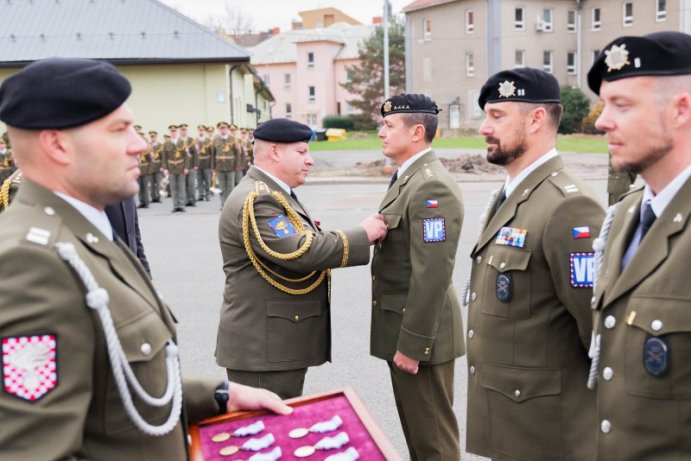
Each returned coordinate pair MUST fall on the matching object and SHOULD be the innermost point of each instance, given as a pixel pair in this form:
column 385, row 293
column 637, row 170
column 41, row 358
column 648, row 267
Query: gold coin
column 298, row 433
column 229, row 450
column 304, row 452
column 220, row 437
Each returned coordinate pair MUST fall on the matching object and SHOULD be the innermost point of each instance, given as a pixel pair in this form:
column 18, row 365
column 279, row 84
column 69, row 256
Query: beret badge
column 507, row 89
column 617, row 57
column 387, row 106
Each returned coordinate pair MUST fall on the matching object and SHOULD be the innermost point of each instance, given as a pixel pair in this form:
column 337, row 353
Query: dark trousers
column 425, row 406
column 287, row 384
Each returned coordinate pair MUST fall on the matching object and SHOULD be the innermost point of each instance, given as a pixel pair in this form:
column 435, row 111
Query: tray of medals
column 332, row 426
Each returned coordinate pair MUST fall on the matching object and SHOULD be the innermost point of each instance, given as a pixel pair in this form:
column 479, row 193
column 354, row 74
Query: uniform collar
column 411, row 160
column 280, row 183
column 98, row 219
column 660, row 201
column 510, row 186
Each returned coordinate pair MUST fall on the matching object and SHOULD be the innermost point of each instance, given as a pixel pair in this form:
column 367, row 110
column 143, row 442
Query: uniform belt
column 224, row 157
column 175, row 162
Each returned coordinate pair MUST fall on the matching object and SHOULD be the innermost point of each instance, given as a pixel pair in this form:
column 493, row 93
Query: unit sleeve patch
column 433, row 230
column 581, row 268
column 29, row 366
column 281, row 226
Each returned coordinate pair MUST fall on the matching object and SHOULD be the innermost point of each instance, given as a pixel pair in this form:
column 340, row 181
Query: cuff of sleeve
column 415, row 346
column 358, row 251
column 199, row 398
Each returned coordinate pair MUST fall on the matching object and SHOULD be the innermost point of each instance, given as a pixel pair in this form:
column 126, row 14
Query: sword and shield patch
column 29, row 366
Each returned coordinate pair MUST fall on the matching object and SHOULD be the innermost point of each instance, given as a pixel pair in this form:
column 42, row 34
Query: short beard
column 650, row 159
column 503, row 156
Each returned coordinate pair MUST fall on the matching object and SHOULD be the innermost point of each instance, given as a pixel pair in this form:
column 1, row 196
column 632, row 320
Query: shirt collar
column 510, row 186
column 99, row 219
column 407, row 163
column 281, row 184
column 660, row 201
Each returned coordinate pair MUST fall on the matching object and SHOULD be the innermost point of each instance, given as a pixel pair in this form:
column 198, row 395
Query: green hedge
column 338, row 121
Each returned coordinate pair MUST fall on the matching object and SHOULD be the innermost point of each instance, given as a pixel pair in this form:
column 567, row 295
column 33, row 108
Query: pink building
column 303, row 69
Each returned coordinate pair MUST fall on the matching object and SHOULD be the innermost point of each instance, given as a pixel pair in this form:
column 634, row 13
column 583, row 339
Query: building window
column 349, row 75
column 547, row 61
column 628, row 13
column 519, row 60
column 286, row 81
column 469, row 21
column 312, row 94
column 469, row 64
column 349, row 108
column 310, row 59
column 289, row 110
column 427, row 28
column 265, row 77
column 312, row 120
column 519, row 18
column 660, row 10
column 571, row 62
column 545, row 23
column 593, row 56
column 571, row 21
column 596, row 18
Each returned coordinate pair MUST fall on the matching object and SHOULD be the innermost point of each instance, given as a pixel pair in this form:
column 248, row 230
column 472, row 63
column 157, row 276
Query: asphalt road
column 187, row 269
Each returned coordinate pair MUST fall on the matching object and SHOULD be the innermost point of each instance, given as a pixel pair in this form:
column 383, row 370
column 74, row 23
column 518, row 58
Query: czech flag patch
column 581, row 232
column 432, row 204
column 29, row 366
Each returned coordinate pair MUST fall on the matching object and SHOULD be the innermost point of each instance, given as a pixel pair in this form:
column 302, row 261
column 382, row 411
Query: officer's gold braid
column 5, row 194
column 248, row 216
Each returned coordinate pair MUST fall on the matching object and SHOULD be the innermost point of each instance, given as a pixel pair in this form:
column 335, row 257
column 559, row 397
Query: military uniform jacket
column 225, row 153
column 205, row 149
column 145, row 164
column 175, row 158
column 156, row 157
column 644, row 318
column 415, row 308
column 7, row 166
column 191, row 151
column 262, row 328
column 66, row 406
column 529, row 323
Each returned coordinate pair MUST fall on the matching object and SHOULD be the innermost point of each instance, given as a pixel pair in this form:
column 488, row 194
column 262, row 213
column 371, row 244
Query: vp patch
column 281, row 226
column 29, row 366
column 655, row 356
column 511, row 236
column 433, row 230
column 581, row 268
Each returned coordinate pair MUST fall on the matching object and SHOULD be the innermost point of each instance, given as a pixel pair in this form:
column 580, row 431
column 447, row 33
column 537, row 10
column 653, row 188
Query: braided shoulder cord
column 97, row 299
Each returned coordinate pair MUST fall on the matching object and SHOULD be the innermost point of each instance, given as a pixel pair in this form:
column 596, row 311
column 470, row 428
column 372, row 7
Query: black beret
column 409, row 104
column 58, row 93
column 521, row 85
column 283, row 130
column 660, row 53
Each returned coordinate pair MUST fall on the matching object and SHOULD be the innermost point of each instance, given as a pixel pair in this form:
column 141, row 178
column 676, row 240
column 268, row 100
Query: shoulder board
column 260, row 188
column 565, row 183
column 44, row 225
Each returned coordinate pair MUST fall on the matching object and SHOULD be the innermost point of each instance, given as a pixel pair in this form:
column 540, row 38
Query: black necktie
column 394, row 177
column 295, row 197
column 501, row 199
column 648, row 219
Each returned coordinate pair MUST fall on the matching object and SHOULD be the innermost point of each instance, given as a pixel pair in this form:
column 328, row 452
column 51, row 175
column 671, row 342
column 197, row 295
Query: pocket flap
column 392, row 220
column 521, row 384
column 505, row 259
column 295, row 311
column 393, row 302
column 671, row 315
column 143, row 338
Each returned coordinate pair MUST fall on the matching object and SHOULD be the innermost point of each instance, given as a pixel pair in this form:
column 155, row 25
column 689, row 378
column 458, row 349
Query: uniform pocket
column 517, row 398
column 393, row 247
column 507, row 292
column 294, row 329
column 658, row 347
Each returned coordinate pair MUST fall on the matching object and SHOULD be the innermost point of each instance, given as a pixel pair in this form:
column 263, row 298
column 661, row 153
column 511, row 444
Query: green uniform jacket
column 145, row 163
column 175, row 159
column 156, row 157
column 225, row 153
column 82, row 417
column 414, row 305
column 261, row 327
column 527, row 354
column 7, row 166
column 641, row 416
column 205, row 149
column 190, row 148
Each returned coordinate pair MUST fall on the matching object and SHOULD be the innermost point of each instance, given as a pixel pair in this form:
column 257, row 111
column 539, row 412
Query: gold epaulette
column 15, row 178
column 272, row 277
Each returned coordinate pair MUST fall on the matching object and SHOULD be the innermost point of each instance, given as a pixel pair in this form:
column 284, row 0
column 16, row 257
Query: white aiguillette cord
column 97, row 299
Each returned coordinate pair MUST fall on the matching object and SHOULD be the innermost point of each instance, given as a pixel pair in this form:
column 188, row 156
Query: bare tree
column 231, row 20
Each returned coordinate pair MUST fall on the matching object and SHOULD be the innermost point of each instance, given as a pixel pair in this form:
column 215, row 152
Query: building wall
column 321, row 76
column 283, row 94
column 343, row 95
column 324, row 17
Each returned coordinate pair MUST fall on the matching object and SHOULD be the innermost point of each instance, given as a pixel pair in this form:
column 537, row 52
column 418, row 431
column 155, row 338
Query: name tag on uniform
column 581, row 266
column 281, row 226
column 511, row 236
column 433, row 230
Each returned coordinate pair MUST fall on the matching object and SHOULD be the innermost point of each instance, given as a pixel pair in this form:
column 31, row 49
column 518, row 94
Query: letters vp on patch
column 581, row 268
column 433, row 230
column 281, row 226
column 29, row 366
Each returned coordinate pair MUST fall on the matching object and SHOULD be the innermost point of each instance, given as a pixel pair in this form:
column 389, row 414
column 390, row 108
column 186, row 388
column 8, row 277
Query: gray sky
column 266, row 14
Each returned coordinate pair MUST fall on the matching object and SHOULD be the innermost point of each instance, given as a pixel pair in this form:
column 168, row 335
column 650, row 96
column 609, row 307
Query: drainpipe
column 232, row 102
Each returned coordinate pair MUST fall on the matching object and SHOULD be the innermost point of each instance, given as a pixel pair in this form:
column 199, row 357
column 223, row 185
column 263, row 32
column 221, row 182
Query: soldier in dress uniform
column 249, row 142
column 642, row 302
column 156, row 166
column 190, row 147
column 275, row 318
column 82, row 324
column 204, row 148
column 176, row 164
column 145, row 173
column 618, row 183
column 225, row 155
column 240, row 156
column 528, row 297
column 416, row 317
column 7, row 166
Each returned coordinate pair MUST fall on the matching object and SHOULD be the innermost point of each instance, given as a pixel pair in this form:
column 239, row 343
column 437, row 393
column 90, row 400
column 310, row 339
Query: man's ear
column 55, row 145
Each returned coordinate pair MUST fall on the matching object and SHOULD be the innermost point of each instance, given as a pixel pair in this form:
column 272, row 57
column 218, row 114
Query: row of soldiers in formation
column 193, row 164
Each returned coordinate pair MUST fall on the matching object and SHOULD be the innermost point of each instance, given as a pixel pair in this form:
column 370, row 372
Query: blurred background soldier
column 193, row 159
column 176, row 164
column 618, row 183
column 240, row 156
column 204, row 149
column 225, row 154
column 7, row 166
column 145, row 171
column 156, row 166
